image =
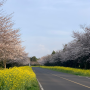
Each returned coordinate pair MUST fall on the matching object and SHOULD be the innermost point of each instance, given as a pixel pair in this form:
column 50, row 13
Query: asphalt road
column 53, row 80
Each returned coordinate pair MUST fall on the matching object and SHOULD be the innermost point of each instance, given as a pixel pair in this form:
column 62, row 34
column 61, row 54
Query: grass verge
column 74, row 71
column 18, row 78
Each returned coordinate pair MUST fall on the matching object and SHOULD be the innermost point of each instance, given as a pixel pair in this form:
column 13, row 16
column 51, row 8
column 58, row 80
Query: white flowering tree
column 9, row 39
column 10, row 43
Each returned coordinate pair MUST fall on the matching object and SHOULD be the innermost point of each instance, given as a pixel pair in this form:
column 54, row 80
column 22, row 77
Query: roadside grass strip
column 18, row 78
column 74, row 71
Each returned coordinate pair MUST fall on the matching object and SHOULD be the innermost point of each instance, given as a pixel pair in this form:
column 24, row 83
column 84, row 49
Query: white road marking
column 71, row 81
column 79, row 76
column 40, row 85
column 88, row 77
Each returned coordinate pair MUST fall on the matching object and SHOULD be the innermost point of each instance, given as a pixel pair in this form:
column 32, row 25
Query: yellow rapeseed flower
column 16, row 78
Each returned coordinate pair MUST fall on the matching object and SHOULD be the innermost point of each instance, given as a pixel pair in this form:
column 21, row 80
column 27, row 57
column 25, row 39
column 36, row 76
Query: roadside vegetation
column 75, row 71
column 18, row 78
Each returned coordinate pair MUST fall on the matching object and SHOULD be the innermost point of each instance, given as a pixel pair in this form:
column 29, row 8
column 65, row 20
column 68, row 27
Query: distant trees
column 10, row 43
column 34, row 61
column 74, row 54
column 34, row 58
column 53, row 52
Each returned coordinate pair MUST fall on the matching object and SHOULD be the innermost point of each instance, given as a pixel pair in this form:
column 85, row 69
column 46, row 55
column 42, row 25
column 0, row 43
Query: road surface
column 53, row 80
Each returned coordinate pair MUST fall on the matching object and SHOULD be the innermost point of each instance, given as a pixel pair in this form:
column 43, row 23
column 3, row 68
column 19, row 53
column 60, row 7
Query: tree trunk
column 4, row 63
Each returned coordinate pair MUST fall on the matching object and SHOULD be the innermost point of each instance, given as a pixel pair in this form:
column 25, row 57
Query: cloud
column 43, row 49
column 39, row 50
column 58, row 32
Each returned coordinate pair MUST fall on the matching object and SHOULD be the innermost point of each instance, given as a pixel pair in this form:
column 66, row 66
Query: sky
column 46, row 25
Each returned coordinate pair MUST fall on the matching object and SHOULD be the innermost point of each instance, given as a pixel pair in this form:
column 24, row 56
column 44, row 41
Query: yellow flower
column 17, row 78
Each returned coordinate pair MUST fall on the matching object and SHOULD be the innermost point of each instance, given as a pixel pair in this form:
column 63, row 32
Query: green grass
column 74, row 71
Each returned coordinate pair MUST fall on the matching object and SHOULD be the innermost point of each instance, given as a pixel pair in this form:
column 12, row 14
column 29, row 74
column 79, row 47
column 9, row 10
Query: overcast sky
column 46, row 25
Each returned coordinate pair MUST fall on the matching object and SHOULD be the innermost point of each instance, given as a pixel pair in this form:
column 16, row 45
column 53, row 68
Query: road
column 53, row 80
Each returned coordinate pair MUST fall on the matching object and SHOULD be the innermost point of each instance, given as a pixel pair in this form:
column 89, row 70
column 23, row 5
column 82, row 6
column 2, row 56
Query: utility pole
column 29, row 64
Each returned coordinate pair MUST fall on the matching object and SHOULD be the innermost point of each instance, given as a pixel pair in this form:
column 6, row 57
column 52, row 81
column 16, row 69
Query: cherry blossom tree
column 76, row 51
column 10, row 43
column 9, row 39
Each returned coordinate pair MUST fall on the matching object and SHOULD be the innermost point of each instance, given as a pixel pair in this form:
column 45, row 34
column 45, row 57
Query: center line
column 71, row 81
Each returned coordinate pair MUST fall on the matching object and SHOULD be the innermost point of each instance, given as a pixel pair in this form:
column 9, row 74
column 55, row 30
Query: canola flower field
column 75, row 71
column 18, row 78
